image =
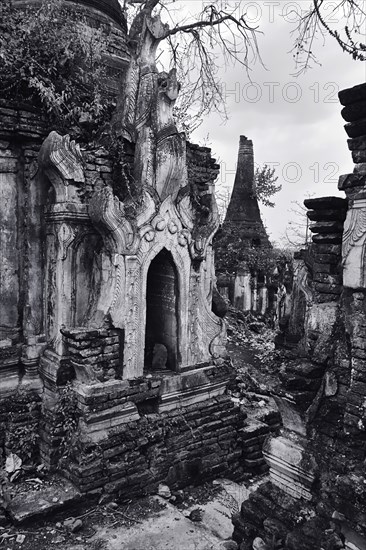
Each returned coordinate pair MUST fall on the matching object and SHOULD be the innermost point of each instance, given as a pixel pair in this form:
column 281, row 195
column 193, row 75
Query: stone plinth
column 193, row 387
column 292, row 468
column 131, row 439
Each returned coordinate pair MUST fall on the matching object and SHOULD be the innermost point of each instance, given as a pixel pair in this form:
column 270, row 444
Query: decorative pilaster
column 67, row 220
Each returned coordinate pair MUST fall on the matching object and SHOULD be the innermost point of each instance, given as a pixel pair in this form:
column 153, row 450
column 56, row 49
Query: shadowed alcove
column 161, row 336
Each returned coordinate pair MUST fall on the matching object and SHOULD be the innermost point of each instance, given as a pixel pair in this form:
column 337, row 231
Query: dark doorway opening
column 161, row 336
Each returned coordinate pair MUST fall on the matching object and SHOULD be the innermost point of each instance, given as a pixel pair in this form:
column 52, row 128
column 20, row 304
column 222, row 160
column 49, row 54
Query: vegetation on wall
column 232, row 252
column 50, row 57
column 69, row 419
column 20, row 415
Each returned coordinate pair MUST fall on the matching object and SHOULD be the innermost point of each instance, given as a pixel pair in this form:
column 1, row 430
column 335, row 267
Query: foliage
column 264, row 188
column 22, row 435
column 69, row 414
column 23, row 441
column 232, row 252
column 51, row 57
column 264, row 185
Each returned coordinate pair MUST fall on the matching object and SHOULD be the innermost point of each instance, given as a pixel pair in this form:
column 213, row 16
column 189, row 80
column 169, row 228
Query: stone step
column 55, row 495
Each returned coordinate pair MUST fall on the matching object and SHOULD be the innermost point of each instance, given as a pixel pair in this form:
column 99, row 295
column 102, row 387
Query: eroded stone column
column 33, row 292
column 9, row 271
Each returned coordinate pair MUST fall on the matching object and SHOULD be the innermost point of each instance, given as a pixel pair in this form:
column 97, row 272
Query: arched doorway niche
column 162, row 317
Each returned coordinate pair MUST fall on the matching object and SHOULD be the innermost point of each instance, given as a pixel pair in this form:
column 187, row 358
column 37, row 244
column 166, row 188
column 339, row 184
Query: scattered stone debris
column 196, row 514
column 164, row 491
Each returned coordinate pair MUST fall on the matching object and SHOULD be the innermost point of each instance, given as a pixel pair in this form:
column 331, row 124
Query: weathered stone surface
column 325, row 203
column 356, row 129
column 327, row 238
column 326, row 227
column 357, row 144
column 327, row 215
column 160, row 357
column 354, row 111
column 352, row 95
column 320, row 451
column 359, row 156
column 59, row 495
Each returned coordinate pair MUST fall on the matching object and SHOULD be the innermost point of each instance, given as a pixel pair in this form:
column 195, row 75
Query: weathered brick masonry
column 317, row 494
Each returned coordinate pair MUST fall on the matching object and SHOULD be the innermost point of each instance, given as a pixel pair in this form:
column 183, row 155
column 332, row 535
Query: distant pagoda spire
column 243, row 211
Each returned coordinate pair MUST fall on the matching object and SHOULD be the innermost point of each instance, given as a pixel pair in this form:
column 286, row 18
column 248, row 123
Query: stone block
column 356, row 129
column 360, row 168
column 35, row 504
column 331, row 288
column 327, row 215
column 327, row 238
column 352, row 95
column 359, row 156
column 326, row 227
column 357, row 144
column 334, row 249
column 355, row 111
column 252, row 430
column 327, row 279
column 325, row 203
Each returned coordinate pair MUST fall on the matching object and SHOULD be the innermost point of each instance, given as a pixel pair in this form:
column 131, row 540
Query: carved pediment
column 61, row 160
column 107, row 213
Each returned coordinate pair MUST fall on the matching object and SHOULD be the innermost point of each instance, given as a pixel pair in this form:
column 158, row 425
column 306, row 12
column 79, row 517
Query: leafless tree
column 297, row 233
column 194, row 43
column 218, row 33
column 343, row 20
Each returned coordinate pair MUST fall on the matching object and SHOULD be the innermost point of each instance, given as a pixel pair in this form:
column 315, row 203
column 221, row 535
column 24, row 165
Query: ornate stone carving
column 353, row 244
column 62, row 162
column 170, row 145
column 66, row 235
column 107, row 213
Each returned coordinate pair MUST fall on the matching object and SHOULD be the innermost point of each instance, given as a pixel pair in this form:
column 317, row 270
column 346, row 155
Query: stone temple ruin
column 110, row 303
column 249, row 289
column 243, row 214
column 112, row 341
column 316, row 496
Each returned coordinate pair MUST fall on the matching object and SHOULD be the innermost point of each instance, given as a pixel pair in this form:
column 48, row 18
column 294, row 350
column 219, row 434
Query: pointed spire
column 243, row 210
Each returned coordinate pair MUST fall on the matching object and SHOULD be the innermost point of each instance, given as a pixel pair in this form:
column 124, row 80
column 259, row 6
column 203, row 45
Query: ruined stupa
column 243, row 228
column 108, row 302
column 243, row 212
column 316, row 494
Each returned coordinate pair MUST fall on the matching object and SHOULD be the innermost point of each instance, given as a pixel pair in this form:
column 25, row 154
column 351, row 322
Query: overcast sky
column 294, row 122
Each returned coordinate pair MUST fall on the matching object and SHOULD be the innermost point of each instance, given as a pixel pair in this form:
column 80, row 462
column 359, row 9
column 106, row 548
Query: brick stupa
column 243, row 212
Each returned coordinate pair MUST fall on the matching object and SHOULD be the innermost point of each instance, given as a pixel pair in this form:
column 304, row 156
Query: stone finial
column 61, row 160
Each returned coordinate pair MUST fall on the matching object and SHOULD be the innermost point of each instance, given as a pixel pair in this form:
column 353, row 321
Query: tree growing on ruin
column 264, row 189
column 199, row 42
column 265, row 185
column 40, row 50
column 50, row 57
